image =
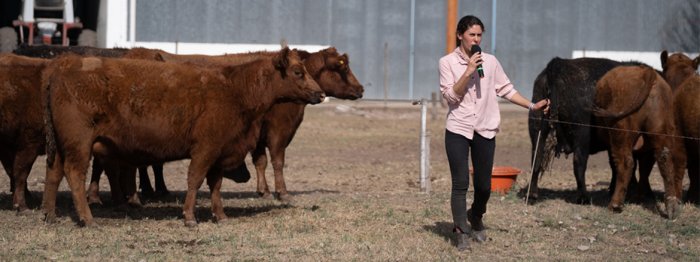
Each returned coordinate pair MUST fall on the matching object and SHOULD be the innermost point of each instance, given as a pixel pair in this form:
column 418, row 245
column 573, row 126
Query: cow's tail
column 631, row 105
column 544, row 143
column 48, row 120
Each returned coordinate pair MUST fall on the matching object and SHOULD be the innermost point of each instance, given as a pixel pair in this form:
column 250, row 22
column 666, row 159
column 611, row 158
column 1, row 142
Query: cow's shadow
column 166, row 207
column 600, row 198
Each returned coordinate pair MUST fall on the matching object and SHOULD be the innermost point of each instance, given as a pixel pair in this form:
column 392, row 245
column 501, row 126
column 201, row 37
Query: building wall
column 527, row 33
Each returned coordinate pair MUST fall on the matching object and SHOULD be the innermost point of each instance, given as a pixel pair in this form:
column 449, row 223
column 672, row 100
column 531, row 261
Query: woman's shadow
column 443, row 229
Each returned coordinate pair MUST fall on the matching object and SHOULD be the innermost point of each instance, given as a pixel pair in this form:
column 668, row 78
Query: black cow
column 570, row 86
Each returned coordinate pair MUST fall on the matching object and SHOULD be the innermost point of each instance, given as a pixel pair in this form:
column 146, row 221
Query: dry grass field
column 353, row 172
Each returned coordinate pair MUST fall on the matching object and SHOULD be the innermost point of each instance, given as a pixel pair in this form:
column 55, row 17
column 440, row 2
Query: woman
column 472, row 123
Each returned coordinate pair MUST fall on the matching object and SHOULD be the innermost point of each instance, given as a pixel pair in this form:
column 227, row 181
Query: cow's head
column 298, row 85
column 677, row 67
column 332, row 73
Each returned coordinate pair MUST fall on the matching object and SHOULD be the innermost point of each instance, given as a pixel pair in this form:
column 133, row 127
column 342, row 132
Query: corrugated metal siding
column 529, row 33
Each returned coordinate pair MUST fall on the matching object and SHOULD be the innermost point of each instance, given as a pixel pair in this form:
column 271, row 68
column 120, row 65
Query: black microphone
column 479, row 68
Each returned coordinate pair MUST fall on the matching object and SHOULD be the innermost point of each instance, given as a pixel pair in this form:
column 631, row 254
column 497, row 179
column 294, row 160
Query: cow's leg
column 622, row 155
column 534, row 179
column 613, row 177
column 197, row 171
column 76, row 167
column 145, row 182
column 260, row 160
column 22, row 166
column 693, row 162
column 8, row 162
column 94, row 188
column 664, row 158
column 7, row 159
column 214, row 178
column 277, row 155
column 54, row 175
column 680, row 163
column 161, row 189
column 580, row 164
column 646, row 164
column 127, row 180
column 113, row 172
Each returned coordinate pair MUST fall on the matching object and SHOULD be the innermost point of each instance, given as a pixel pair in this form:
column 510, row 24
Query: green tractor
column 47, row 22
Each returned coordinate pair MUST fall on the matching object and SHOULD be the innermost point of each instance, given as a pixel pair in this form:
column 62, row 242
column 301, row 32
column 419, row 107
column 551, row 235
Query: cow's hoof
column 673, row 208
column 50, row 218
column 24, row 212
column 88, row 224
column 94, row 198
column 584, row 200
column 617, row 208
column 286, row 198
column 191, row 223
column 21, row 209
column 220, row 219
column 532, row 199
column 266, row 195
column 135, row 202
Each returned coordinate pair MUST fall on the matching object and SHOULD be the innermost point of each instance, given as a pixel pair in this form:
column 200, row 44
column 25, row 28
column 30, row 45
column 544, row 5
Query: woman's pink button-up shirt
column 476, row 111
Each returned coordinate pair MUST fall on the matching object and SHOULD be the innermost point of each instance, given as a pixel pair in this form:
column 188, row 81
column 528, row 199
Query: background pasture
column 353, row 172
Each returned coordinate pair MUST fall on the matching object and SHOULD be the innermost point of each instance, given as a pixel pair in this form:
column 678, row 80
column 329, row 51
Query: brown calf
column 144, row 112
column 636, row 98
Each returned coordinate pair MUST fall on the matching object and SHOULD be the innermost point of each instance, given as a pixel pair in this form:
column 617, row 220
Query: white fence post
column 424, row 148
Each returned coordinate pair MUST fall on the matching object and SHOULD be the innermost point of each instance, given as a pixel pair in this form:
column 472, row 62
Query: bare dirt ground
column 353, row 171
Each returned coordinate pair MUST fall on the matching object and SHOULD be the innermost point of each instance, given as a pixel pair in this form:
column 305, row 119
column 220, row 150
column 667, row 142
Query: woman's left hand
column 542, row 105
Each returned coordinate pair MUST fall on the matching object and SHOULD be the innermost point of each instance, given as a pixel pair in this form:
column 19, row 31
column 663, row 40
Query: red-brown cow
column 331, row 71
column 50, row 52
column 145, row 112
column 633, row 100
column 22, row 137
column 681, row 73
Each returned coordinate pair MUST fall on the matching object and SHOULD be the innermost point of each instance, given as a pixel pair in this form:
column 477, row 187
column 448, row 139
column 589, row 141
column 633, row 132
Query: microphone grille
column 476, row 48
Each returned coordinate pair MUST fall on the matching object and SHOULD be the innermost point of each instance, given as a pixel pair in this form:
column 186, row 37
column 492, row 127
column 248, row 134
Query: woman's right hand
column 474, row 61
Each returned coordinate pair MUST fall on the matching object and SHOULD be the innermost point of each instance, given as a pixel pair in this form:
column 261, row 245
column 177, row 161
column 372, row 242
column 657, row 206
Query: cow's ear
column 159, row 57
column 344, row 59
column 303, row 54
column 696, row 62
column 282, row 60
column 664, row 58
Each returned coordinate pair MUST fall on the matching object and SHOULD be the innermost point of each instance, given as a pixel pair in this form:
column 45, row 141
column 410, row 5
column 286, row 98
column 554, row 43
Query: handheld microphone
column 479, row 68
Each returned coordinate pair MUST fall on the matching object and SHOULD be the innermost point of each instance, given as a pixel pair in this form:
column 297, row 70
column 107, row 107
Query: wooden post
column 451, row 32
column 451, row 23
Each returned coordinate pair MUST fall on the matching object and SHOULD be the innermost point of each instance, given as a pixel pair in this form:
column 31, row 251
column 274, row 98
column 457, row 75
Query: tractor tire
column 87, row 38
column 8, row 39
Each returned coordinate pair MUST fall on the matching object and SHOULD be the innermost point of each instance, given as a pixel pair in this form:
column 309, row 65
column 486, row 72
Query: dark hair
column 465, row 23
